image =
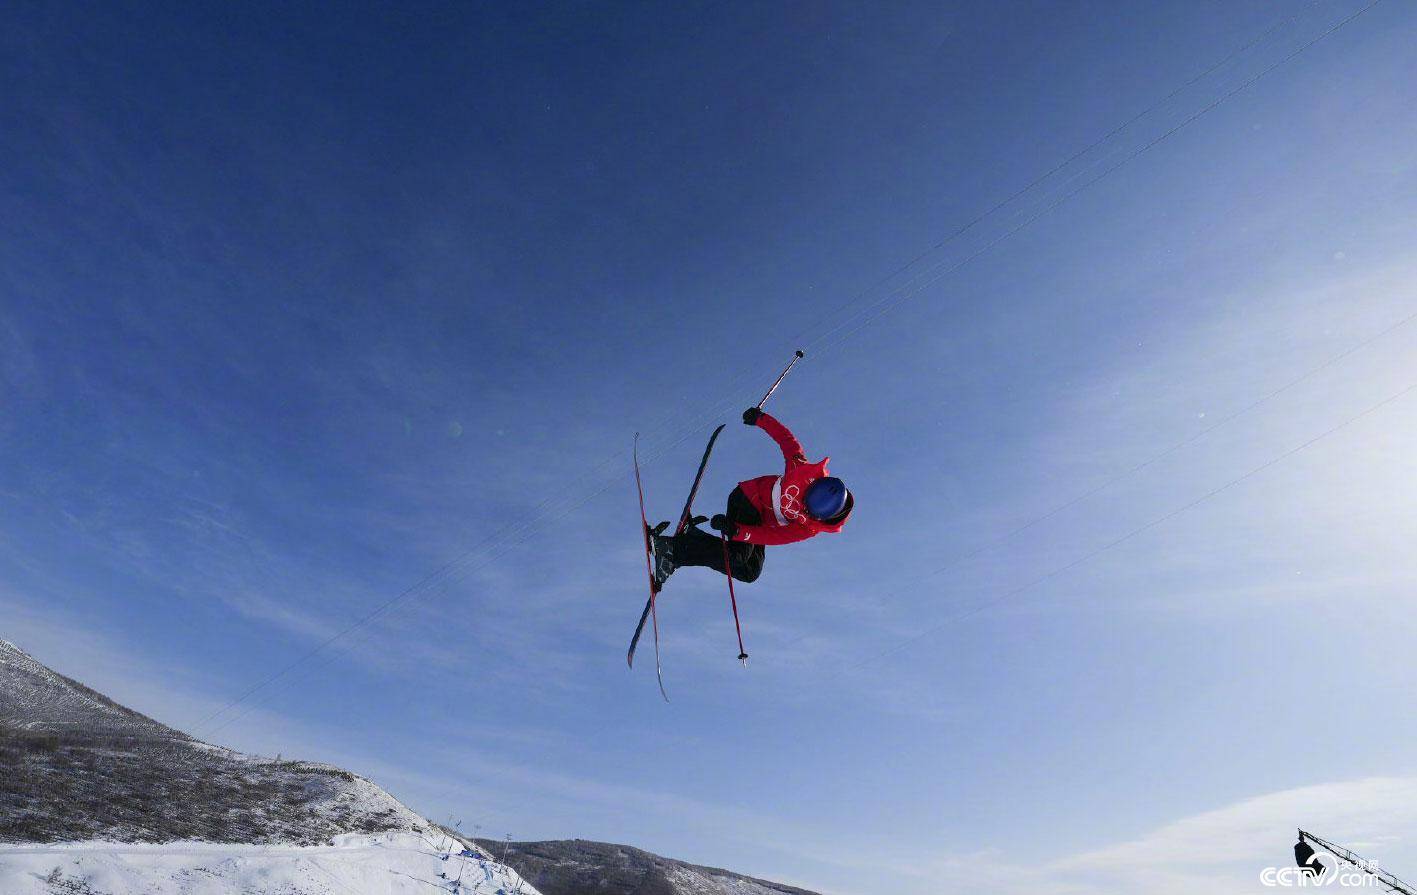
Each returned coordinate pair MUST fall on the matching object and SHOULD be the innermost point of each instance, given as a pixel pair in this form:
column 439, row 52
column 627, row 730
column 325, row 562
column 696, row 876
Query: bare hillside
column 74, row 765
column 581, row 867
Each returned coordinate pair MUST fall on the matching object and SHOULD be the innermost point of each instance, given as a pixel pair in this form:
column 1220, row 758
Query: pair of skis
column 684, row 518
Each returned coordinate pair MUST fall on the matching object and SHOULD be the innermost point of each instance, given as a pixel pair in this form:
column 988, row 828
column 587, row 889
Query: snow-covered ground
column 384, row 864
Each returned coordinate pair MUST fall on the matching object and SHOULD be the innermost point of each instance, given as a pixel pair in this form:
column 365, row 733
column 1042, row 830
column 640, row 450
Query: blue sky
column 299, row 307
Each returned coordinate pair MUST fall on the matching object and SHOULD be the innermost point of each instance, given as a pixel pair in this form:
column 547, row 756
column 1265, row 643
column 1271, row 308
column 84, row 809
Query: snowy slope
column 100, row 800
column 387, row 864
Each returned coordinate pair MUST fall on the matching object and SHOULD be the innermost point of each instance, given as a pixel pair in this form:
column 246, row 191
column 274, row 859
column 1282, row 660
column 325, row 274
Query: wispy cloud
column 1226, row 848
column 281, row 614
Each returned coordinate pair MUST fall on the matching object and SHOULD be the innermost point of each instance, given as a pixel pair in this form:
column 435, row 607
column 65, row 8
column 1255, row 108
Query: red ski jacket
column 779, row 498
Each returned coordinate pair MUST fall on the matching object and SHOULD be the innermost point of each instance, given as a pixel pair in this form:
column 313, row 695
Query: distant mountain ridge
column 582, row 867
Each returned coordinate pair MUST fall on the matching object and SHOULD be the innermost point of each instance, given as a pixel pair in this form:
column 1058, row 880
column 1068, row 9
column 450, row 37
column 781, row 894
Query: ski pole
column 732, row 598
column 795, row 358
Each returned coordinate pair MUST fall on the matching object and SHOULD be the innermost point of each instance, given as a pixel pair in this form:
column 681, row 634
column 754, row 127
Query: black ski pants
column 699, row 548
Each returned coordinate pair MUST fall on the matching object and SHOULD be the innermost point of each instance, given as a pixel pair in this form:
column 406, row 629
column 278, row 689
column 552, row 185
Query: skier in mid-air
column 766, row 511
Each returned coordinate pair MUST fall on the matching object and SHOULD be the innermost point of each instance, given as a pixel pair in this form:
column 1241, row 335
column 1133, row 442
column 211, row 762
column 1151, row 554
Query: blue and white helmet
column 826, row 498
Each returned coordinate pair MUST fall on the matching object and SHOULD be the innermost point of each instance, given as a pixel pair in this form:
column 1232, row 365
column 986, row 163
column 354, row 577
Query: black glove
column 750, row 416
column 724, row 524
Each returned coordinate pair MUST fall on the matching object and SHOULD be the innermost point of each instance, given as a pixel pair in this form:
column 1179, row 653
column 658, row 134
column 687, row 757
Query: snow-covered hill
column 387, row 864
column 582, row 867
column 100, row 800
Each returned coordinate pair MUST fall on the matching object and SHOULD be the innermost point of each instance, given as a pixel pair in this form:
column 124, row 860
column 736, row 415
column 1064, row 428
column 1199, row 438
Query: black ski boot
column 661, row 555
